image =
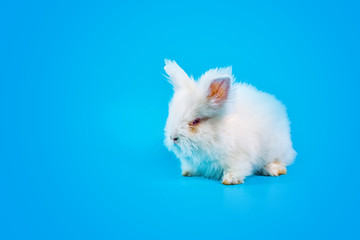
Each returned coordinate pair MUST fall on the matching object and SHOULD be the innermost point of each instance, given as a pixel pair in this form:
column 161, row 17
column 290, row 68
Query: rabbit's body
column 226, row 130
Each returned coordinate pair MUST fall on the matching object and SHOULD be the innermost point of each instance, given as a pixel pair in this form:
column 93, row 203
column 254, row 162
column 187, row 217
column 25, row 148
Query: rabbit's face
column 187, row 122
column 191, row 125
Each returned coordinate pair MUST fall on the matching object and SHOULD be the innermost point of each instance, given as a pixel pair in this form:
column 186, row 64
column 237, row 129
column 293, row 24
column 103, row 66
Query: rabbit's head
column 196, row 108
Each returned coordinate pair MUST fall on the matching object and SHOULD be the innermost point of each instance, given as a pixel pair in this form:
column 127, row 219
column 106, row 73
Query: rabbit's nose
column 175, row 139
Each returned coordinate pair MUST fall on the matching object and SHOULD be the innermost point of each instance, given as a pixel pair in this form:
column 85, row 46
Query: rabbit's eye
column 195, row 122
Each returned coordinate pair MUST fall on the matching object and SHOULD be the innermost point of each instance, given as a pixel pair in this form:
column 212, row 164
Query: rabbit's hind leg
column 275, row 168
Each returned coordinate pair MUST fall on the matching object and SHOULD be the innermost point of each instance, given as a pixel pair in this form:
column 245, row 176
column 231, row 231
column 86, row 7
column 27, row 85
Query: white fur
column 249, row 131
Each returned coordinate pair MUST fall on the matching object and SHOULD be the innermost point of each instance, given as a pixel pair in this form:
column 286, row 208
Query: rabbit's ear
column 177, row 76
column 218, row 91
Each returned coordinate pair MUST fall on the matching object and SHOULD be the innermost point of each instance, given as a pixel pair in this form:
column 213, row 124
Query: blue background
column 83, row 104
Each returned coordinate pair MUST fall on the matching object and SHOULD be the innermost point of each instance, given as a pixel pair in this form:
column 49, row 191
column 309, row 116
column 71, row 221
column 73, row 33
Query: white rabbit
column 221, row 129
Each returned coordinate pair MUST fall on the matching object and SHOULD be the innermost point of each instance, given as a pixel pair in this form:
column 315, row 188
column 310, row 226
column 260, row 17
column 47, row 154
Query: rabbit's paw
column 187, row 173
column 230, row 179
column 275, row 169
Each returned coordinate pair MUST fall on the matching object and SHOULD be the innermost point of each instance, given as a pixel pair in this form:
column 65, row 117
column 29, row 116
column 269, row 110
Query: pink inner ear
column 219, row 89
